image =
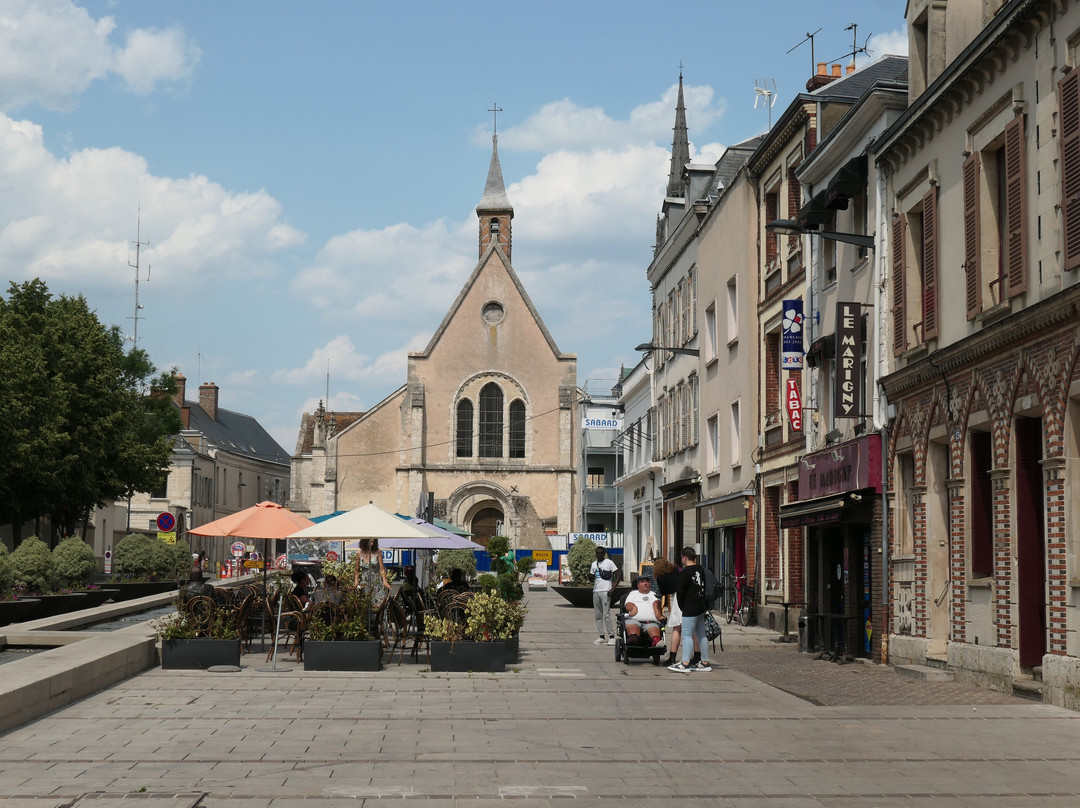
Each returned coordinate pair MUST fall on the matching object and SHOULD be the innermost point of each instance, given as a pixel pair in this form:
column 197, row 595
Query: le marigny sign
column 846, row 467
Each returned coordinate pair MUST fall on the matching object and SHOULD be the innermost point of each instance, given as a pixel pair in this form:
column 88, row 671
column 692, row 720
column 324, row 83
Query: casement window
column 915, row 287
column 1069, row 108
column 736, row 434
column 465, row 428
column 517, row 428
column 491, row 420
column 774, row 423
column 995, row 255
column 733, row 309
column 710, row 332
column 712, row 445
column 772, row 213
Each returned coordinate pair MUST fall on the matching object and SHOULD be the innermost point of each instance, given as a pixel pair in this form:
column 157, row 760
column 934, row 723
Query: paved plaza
column 767, row 728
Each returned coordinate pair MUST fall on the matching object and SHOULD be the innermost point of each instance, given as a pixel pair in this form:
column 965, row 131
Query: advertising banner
column 791, row 338
column 793, row 404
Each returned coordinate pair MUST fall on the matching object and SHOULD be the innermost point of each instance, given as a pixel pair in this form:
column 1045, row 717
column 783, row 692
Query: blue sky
column 307, row 173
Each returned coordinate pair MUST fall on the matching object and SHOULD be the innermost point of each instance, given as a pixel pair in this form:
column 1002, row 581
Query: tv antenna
column 138, row 273
column 767, row 97
column 809, row 36
column 855, row 49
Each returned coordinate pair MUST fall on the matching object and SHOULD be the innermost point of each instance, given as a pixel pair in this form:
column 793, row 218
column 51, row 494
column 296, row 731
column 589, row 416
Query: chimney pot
column 821, row 68
column 208, row 399
column 181, row 389
column 851, row 68
column 836, row 71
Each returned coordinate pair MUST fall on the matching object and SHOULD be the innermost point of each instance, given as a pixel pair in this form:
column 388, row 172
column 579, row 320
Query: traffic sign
column 238, row 548
column 331, row 556
column 166, row 522
column 282, row 562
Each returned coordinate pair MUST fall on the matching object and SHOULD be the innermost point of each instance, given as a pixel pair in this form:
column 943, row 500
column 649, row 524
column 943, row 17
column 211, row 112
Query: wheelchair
column 625, row 651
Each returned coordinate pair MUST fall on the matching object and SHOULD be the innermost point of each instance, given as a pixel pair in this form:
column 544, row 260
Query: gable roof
column 491, row 253
column 336, row 421
column 235, row 433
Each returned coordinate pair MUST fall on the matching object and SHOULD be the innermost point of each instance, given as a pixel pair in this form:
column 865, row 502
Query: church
column 484, row 424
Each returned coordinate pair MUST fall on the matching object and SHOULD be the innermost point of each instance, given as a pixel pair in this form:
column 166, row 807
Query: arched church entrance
column 487, row 520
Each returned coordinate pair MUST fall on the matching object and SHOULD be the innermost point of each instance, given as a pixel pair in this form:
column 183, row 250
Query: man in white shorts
column 643, row 614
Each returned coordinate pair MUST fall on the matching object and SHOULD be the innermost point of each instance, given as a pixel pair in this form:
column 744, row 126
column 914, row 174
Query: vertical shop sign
column 847, row 393
column 793, row 404
column 791, row 341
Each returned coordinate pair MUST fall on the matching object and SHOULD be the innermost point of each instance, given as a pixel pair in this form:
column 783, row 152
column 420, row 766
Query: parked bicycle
column 742, row 601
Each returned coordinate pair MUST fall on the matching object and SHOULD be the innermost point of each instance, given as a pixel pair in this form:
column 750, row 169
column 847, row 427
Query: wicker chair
column 200, row 611
column 290, row 628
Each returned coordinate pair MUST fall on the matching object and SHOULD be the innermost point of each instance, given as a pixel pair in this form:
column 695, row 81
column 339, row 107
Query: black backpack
column 712, row 586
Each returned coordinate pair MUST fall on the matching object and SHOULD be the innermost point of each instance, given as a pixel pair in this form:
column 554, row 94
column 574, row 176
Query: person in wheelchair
column 643, row 615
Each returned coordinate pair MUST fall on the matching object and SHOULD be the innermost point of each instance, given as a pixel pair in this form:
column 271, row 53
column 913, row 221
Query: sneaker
column 599, row 641
column 704, row 667
column 678, row 666
column 611, row 641
column 695, row 658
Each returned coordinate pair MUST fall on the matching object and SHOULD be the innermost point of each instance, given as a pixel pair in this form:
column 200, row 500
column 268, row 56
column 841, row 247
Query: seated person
column 410, row 596
column 329, row 592
column 196, row 585
column 457, row 581
column 643, row 613
column 301, row 585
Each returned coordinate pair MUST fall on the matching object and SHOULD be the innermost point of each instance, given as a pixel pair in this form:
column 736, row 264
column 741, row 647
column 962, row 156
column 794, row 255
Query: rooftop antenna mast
column 855, row 49
column 809, row 36
column 328, row 384
column 138, row 273
column 765, row 96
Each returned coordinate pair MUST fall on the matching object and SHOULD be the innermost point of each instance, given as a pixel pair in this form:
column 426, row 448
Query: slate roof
column 336, row 421
column 236, row 433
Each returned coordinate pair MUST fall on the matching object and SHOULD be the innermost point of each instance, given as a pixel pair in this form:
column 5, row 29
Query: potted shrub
column 479, row 642
column 145, row 565
column 579, row 593
column 339, row 636
column 185, row 648
column 11, row 609
column 74, row 567
column 35, row 577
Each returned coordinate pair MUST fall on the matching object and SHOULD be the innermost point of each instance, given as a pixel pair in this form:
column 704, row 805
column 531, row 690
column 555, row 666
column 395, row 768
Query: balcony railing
column 607, row 496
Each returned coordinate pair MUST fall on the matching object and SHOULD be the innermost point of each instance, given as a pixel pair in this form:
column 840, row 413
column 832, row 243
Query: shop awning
column 812, row 512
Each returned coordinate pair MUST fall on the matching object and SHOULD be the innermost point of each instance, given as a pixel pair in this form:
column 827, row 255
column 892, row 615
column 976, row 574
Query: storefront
column 723, row 523
column 839, row 508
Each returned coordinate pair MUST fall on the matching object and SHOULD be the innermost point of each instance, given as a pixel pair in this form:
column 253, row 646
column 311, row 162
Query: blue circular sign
column 166, row 522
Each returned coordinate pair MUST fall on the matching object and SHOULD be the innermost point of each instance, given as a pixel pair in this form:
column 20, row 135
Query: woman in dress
column 370, row 573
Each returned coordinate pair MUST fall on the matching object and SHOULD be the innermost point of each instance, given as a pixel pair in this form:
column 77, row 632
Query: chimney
column 208, row 396
column 850, row 69
column 836, row 71
column 820, row 79
column 181, row 389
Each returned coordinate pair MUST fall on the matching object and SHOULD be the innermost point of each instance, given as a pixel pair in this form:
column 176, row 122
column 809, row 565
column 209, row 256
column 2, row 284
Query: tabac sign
column 845, row 467
column 848, row 392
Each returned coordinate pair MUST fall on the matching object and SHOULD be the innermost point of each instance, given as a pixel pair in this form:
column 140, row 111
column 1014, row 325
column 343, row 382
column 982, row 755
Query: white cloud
column 51, row 50
column 891, row 43
column 74, row 218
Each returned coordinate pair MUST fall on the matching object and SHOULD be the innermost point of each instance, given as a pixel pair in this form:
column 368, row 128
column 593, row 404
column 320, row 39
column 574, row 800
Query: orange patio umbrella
column 266, row 520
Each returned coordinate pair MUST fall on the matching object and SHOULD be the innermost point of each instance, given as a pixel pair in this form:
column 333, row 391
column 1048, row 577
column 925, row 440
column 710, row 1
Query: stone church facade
column 484, row 422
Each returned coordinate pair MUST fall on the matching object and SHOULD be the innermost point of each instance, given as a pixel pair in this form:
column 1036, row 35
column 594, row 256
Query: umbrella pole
column 277, row 631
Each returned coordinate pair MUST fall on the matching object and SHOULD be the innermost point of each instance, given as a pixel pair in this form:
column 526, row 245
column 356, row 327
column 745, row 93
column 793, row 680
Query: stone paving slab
column 767, row 727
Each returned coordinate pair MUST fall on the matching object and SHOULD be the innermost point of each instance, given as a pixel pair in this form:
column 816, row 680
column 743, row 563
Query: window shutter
column 899, row 318
column 1069, row 104
column 1015, row 207
column 972, row 235
column 693, row 299
column 930, row 254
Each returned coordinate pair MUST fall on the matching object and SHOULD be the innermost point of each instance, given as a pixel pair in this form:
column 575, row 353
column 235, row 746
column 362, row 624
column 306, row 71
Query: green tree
column 74, row 563
column 580, row 558
column 33, row 566
column 447, row 560
column 83, row 420
column 7, row 573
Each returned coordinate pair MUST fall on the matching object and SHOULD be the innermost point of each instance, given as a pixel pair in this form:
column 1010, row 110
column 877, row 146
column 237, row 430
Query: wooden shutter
column 1015, row 207
column 971, row 236
column 1069, row 106
column 930, row 262
column 899, row 319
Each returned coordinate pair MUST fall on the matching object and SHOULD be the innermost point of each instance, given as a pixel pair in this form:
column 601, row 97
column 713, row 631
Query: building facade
column 485, row 420
column 982, row 252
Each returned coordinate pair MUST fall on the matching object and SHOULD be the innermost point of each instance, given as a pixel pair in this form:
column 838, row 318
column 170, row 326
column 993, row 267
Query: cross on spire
column 495, row 110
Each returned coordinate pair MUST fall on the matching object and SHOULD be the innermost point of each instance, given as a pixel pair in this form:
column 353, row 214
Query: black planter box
column 14, row 611
column 199, row 653
column 95, row 597
column 129, row 590
column 464, row 656
column 581, row 596
column 52, row 605
column 342, row 655
column 513, row 649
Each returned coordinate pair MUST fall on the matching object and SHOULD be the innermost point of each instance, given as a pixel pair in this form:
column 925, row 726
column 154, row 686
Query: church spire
column 495, row 210
column 680, row 149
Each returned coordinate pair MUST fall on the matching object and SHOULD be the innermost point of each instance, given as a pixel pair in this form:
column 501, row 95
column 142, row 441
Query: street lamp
column 648, row 347
column 791, row 227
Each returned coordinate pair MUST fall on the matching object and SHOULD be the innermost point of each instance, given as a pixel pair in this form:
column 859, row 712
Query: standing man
column 691, row 597
column 605, row 577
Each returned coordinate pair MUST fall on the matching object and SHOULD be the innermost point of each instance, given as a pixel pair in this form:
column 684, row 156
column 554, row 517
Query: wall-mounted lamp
column 648, row 347
column 833, row 436
column 791, row 227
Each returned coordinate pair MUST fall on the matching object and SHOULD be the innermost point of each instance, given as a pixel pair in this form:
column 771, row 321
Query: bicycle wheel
column 748, row 612
column 731, row 610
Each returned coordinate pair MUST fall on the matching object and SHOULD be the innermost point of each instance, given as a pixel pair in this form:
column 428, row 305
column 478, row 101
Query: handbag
column 712, row 628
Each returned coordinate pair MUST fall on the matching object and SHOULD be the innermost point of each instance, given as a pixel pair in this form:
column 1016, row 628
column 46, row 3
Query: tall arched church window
column 517, row 428
column 491, row 420
column 464, row 428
